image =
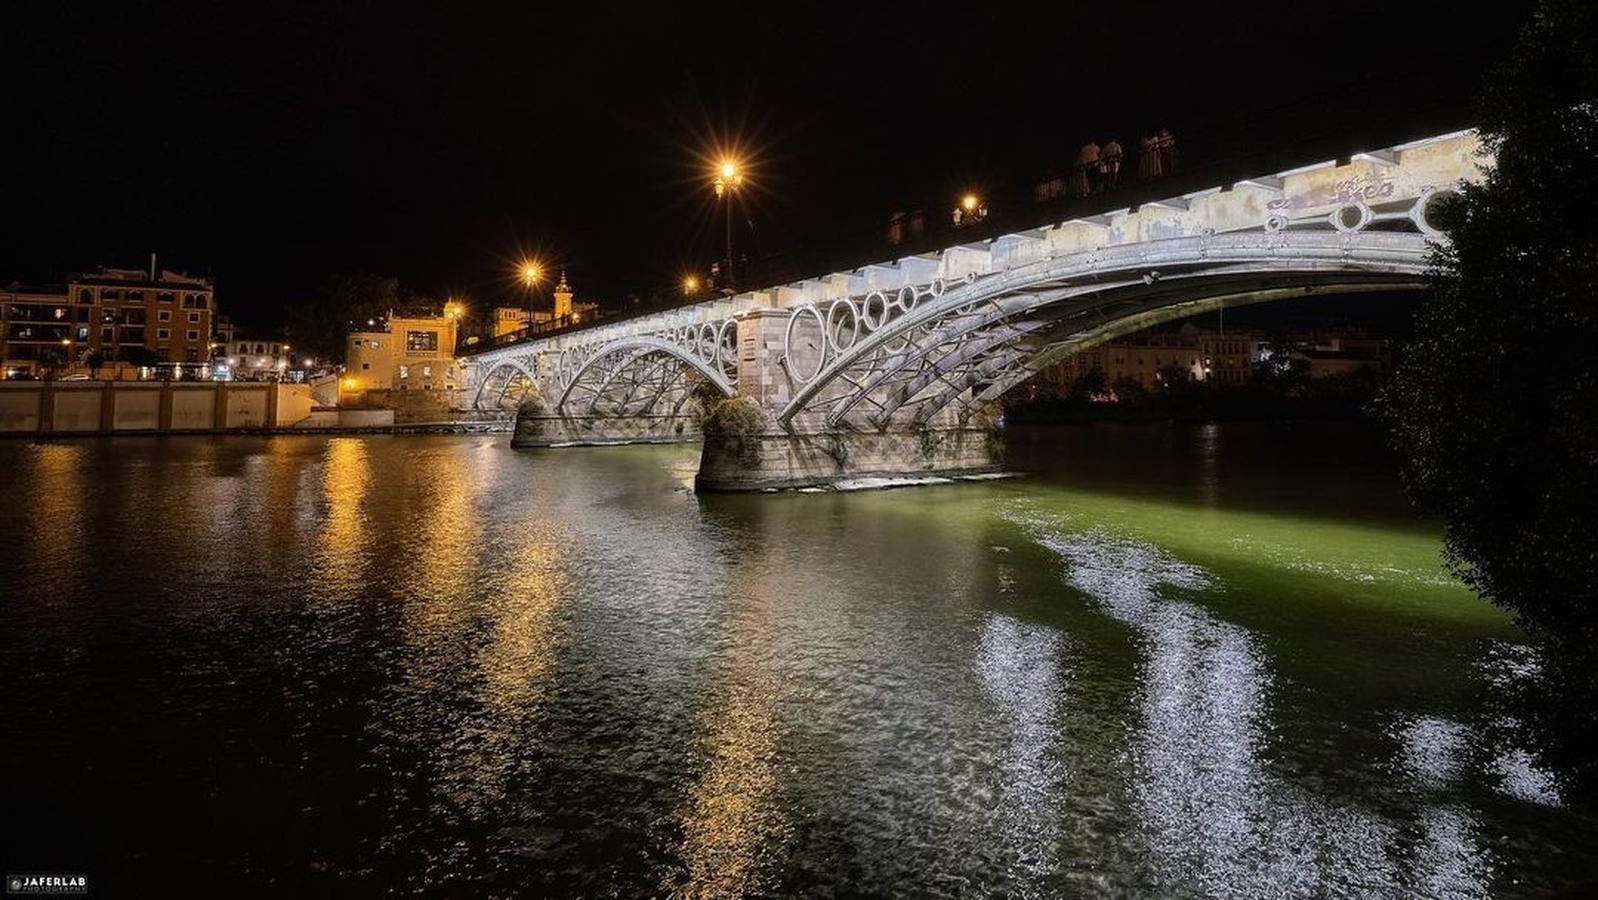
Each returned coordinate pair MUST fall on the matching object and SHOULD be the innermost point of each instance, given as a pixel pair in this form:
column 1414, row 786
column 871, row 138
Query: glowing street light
column 531, row 273
column 970, row 210
column 690, row 285
column 729, row 177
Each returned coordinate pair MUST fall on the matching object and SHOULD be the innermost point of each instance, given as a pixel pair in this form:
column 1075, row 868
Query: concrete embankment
column 90, row 408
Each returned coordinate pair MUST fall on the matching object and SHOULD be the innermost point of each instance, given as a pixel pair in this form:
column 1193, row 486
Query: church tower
column 563, row 299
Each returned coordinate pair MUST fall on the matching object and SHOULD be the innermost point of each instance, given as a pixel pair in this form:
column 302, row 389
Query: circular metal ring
column 788, row 348
column 835, row 326
column 727, row 349
column 1351, row 217
column 871, row 322
column 1275, row 222
column 1424, row 211
column 563, row 367
column 907, row 298
column 707, row 346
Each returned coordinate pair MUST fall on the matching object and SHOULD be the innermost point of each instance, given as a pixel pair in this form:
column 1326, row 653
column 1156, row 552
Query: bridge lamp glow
column 969, row 202
column 531, row 273
column 728, row 176
column 690, row 284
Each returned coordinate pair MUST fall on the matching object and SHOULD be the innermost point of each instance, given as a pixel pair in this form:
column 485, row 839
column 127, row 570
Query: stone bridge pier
column 749, row 446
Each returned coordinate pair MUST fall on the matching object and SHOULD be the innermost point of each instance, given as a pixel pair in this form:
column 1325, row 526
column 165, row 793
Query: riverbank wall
column 90, row 408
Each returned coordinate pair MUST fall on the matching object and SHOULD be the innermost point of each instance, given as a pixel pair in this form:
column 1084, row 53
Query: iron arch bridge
column 884, row 368
column 645, row 374
column 889, row 360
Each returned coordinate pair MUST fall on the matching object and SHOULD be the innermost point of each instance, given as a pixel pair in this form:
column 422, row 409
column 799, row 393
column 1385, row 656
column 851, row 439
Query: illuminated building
column 411, row 353
column 145, row 318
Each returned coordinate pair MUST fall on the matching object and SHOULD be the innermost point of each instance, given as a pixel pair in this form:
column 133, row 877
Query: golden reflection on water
column 442, row 524
column 57, row 501
column 346, row 476
column 734, row 828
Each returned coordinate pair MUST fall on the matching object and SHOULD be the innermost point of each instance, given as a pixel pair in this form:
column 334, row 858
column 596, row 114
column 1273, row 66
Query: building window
column 427, row 371
column 85, row 296
column 164, row 315
column 164, row 297
column 421, row 341
column 405, row 371
column 366, row 365
column 163, row 334
column 194, row 334
column 106, row 335
column 83, row 332
column 374, row 345
column 357, row 344
column 136, row 296
column 110, row 295
column 194, row 317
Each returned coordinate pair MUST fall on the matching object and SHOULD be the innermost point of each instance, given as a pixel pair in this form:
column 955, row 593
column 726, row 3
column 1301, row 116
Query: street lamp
column 729, row 177
column 531, row 273
column 690, row 285
column 970, row 210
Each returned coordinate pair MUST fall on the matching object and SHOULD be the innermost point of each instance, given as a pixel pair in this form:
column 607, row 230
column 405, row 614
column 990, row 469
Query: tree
column 1280, row 370
column 319, row 327
column 1130, row 393
column 1495, row 406
column 1086, row 386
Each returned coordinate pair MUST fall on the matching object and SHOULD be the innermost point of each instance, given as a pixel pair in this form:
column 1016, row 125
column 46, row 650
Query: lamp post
column 531, row 272
column 970, row 210
column 690, row 286
column 729, row 177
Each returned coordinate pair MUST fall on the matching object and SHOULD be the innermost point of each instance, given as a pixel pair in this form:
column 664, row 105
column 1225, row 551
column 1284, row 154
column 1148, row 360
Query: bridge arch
column 647, row 374
column 505, row 379
column 963, row 346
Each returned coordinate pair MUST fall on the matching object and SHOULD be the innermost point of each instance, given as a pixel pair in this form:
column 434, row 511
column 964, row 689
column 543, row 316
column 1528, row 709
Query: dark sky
column 273, row 144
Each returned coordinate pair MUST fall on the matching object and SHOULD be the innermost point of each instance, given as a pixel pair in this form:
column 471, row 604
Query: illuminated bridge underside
column 963, row 348
column 640, row 376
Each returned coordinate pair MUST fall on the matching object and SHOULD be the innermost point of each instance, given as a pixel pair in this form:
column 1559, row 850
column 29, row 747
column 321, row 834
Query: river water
column 1207, row 661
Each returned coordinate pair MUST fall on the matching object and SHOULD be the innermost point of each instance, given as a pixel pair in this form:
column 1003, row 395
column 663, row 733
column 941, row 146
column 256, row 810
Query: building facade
column 1222, row 357
column 412, row 353
column 131, row 316
column 1227, row 357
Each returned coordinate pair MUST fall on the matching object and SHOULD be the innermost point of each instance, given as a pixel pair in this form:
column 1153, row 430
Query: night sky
column 271, row 145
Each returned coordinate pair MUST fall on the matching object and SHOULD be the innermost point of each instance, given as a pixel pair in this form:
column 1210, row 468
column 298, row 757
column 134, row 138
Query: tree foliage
column 1494, row 405
column 319, row 327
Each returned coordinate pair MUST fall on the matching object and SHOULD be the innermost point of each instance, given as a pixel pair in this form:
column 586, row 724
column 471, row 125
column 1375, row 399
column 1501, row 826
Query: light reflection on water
column 396, row 664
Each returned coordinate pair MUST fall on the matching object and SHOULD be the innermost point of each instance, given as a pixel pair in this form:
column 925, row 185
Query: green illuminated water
column 1173, row 661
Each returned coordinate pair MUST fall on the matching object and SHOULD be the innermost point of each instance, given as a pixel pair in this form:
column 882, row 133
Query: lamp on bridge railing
column 969, row 211
column 729, row 177
column 690, row 286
